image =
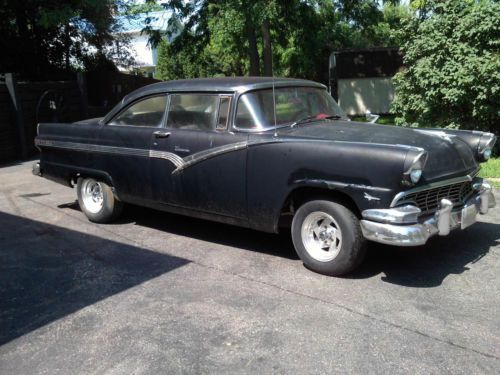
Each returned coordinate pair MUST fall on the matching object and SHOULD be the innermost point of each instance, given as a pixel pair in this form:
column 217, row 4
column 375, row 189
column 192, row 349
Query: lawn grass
column 383, row 119
column 491, row 169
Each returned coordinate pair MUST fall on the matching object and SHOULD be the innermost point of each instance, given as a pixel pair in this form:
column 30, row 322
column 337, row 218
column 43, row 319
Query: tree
column 273, row 37
column 452, row 59
column 43, row 38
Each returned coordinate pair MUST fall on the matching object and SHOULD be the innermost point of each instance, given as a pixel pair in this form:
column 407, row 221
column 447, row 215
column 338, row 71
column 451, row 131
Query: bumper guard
column 394, row 226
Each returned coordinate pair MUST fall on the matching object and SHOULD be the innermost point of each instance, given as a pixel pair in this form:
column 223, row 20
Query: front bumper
column 35, row 169
column 441, row 223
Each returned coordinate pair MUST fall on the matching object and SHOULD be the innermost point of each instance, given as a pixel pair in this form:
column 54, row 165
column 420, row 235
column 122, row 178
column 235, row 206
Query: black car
column 270, row 154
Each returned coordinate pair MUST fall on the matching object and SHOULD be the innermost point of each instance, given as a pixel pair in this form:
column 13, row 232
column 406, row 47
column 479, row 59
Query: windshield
column 293, row 104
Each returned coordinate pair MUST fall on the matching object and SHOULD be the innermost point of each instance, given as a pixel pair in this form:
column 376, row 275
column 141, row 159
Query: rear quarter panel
column 60, row 164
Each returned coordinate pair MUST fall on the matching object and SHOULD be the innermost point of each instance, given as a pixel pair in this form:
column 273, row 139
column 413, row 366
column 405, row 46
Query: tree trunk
column 67, row 42
column 268, row 49
column 253, row 52
column 26, row 51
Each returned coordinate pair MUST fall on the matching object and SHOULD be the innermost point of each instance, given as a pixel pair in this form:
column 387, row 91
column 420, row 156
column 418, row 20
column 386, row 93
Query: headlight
column 485, row 146
column 414, row 166
column 415, row 175
column 487, row 153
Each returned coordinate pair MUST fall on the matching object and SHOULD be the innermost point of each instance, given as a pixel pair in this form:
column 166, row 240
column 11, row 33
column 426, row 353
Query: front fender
column 369, row 174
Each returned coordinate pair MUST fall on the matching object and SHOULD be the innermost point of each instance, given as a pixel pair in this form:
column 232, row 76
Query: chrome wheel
column 92, row 195
column 321, row 236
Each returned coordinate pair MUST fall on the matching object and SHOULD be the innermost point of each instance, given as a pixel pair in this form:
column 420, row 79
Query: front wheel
column 327, row 237
column 97, row 201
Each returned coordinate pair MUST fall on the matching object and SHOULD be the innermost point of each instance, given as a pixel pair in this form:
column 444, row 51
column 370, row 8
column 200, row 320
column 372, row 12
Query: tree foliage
column 265, row 37
column 452, row 59
column 43, row 38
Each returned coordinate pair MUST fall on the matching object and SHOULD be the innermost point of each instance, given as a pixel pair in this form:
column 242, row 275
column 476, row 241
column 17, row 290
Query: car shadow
column 48, row 272
column 223, row 234
column 427, row 266
column 15, row 162
column 418, row 267
column 229, row 235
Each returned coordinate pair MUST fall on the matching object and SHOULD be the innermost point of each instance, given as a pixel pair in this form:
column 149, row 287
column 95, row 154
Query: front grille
column 428, row 200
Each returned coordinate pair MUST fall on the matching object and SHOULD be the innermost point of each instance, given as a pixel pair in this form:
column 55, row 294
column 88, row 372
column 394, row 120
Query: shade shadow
column 427, row 266
column 229, row 235
column 48, row 272
column 418, row 267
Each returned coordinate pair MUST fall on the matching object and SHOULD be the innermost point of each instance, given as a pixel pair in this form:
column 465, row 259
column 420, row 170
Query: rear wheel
column 97, row 200
column 327, row 237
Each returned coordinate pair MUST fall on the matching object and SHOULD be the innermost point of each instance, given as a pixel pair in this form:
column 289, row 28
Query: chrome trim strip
column 73, row 146
column 91, row 147
column 210, row 153
column 488, row 144
column 173, row 158
column 420, row 157
column 320, row 140
column 338, row 185
column 366, row 187
column 179, row 162
column 183, row 163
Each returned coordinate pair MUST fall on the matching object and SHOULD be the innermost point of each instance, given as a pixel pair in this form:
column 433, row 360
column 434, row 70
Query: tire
column 97, row 201
column 327, row 237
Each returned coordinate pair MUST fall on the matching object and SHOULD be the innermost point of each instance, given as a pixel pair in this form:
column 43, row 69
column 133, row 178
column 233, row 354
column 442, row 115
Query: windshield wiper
column 315, row 117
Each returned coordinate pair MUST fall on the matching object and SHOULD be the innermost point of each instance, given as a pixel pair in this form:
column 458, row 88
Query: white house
column 145, row 56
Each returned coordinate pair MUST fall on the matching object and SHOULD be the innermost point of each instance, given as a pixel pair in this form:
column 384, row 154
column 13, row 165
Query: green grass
column 386, row 120
column 491, row 169
column 383, row 119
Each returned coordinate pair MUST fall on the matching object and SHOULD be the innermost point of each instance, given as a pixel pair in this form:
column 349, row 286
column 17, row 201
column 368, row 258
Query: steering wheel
column 52, row 106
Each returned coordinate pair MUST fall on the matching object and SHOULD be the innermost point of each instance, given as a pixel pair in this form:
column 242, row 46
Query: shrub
column 452, row 60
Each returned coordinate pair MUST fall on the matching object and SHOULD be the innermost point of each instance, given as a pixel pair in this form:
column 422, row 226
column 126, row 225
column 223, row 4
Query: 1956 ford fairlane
column 270, row 154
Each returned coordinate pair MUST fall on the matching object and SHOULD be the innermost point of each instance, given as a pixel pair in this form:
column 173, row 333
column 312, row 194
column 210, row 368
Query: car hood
column 448, row 155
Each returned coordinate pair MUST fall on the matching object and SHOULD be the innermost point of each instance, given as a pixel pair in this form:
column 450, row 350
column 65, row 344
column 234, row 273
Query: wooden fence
column 24, row 104
column 9, row 146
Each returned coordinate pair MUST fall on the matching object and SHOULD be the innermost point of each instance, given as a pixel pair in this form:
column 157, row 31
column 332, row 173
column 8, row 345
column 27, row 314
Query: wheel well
column 304, row 194
column 102, row 176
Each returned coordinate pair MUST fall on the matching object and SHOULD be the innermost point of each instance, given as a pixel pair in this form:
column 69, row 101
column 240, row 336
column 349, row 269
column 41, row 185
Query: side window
column 146, row 112
column 193, row 111
column 244, row 117
column 223, row 112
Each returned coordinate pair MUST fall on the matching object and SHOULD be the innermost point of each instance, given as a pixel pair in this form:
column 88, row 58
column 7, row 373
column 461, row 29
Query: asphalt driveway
column 160, row 293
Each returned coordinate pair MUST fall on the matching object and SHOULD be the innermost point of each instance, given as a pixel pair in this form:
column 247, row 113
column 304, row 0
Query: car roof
column 220, row 84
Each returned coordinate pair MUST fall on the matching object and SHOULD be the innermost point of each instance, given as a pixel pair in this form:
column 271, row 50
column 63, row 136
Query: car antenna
column 274, row 99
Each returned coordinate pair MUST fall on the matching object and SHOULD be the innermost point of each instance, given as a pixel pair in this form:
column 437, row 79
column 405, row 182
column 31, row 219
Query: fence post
column 81, row 80
column 11, row 83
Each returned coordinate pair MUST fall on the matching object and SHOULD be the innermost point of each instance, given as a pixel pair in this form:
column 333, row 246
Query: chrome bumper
column 35, row 169
column 391, row 226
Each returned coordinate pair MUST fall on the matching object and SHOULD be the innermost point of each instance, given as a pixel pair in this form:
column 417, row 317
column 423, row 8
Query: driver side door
column 209, row 175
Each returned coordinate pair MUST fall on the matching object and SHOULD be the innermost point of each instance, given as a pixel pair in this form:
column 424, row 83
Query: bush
column 452, row 74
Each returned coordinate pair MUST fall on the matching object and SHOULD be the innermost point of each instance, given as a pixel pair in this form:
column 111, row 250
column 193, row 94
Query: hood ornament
column 438, row 133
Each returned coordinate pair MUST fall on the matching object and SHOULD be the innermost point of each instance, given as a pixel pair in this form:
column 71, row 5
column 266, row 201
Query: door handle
column 161, row 134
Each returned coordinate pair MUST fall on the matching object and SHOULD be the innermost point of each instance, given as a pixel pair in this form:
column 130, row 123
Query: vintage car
column 271, row 154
